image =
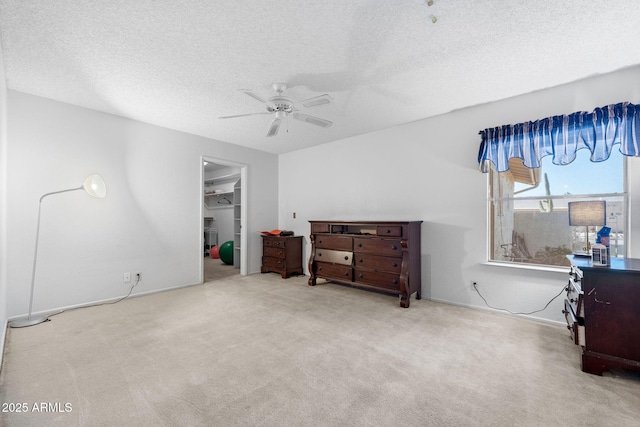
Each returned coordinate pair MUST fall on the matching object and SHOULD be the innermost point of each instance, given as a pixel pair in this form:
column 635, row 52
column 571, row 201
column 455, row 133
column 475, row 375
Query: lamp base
column 23, row 323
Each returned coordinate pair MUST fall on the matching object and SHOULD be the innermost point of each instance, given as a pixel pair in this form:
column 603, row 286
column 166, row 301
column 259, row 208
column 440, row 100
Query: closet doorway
column 223, row 219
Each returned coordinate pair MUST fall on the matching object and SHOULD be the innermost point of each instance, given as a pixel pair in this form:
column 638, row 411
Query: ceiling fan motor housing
column 280, row 103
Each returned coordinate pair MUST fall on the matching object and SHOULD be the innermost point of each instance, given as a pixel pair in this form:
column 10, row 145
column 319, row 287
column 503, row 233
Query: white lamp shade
column 95, row 186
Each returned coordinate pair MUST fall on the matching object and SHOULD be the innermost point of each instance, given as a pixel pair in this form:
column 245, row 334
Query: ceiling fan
column 283, row 106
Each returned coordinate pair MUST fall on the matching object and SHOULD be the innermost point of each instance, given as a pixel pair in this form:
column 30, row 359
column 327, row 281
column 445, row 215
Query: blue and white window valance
column 562, row 136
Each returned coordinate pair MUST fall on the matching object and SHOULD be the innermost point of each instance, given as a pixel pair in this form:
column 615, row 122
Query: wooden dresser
column 384, row 256
column 282, row 255
column 602, row 310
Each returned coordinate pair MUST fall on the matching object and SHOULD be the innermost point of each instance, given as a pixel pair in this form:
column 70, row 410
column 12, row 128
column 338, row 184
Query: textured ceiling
column 180, row 64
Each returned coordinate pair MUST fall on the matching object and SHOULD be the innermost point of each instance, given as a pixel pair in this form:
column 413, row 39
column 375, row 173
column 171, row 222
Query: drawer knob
column 346, row 273
column 320, row 254
column 319, row 268
column 360, row 276
column 388, row 231
column 360, row 260
column 395, row 281
column 346, row 258
column 394, row 247
column 395, row 264
column 359, row 245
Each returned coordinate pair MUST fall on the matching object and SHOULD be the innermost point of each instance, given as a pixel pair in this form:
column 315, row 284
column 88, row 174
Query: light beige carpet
column 263, row 351
column 215, row 269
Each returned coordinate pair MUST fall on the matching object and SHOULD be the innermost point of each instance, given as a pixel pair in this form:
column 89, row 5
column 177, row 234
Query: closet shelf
column 223, row 178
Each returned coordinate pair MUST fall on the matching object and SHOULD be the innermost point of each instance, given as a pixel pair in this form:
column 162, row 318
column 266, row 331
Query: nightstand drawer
column 275, row 252
column 575, row 324
column 273, row 262
column 274, row 242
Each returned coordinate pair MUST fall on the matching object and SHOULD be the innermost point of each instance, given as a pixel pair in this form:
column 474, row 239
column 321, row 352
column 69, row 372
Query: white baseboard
column 491, row 310
column 3, row 337
column 54, row 311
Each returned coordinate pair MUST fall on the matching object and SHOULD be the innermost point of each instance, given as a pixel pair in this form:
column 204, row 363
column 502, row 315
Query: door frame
column 243, row 212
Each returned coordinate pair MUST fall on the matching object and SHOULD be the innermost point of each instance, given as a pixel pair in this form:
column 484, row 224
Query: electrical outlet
column 294, row 215
column 138, row 276
column 126, row 278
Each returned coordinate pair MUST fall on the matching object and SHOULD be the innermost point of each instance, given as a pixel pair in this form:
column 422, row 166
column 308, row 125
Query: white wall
column 223, row 222
column 427, row 170
column 150, row 220
column 3, row 206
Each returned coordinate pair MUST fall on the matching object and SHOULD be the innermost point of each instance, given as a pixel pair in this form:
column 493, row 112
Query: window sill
column 524, row 266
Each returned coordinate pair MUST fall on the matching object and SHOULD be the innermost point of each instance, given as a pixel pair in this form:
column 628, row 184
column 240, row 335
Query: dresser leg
column 597, row 363
column 593, row 365
column 405, row 300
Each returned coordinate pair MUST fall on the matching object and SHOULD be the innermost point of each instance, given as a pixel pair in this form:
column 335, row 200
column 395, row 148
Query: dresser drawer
column 273, row 252
column 389, row 230
column 375, row 278
column 389, row 247
column 339, row 243
column 332, row 270
column 376, row 262
column 320, row 228
column 338, row 257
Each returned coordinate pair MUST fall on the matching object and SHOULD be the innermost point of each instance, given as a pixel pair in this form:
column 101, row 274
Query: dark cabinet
column 282, row 255
column 602, row 309
column 384, row 256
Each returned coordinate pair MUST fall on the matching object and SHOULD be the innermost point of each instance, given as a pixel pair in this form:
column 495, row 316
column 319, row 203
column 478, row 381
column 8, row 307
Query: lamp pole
column 95, row 186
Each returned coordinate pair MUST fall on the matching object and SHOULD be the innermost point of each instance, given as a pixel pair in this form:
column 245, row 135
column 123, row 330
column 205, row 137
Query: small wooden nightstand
column 602, row 314
column 282, row 254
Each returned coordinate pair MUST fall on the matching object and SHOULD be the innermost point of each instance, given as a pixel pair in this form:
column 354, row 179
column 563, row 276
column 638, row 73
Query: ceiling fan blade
column 275, row 125
column 243, row 115
column 315, row 101
column 313, row 120
column 253, row 95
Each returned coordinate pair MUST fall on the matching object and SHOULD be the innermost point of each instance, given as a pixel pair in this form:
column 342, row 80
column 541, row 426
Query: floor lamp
column 94, row 186
column 587, row 213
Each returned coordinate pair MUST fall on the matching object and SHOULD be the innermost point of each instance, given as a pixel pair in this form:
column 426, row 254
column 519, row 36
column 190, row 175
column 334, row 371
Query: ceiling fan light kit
column 283, row 106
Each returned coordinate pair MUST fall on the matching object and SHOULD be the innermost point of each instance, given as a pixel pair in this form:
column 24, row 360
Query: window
column 529, row 221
